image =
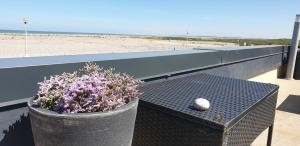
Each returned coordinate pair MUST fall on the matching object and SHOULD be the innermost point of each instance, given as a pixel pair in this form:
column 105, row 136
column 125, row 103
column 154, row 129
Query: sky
column 223, row 18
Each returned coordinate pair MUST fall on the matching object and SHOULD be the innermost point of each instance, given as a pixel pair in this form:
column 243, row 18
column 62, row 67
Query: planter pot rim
column 49, row 113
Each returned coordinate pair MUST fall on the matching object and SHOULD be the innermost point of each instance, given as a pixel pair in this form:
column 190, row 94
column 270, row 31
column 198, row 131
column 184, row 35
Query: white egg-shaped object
column 201, row 104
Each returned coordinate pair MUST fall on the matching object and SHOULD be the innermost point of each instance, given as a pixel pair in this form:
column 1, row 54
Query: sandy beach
column 13, row 45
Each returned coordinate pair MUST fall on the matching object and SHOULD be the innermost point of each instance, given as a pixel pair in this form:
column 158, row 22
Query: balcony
column 260, row 63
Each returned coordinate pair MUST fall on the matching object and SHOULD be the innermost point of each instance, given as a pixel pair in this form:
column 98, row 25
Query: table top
column 229, row 98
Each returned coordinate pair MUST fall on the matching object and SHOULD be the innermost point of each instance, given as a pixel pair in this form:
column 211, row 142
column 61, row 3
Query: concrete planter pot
column 113, row 128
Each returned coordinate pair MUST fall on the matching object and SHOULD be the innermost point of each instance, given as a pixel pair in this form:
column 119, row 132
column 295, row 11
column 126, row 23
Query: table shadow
column 290, row 104
column 18, row 134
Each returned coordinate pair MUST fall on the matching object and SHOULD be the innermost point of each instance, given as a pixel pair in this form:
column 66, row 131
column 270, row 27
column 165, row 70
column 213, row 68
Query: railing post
column 293, row 49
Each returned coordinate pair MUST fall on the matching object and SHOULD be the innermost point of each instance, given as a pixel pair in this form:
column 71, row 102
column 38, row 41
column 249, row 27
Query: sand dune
column 13, row 45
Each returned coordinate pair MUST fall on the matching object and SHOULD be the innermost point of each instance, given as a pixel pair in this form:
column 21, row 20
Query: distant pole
column 187, row 38
column 293, row 49
column 25, row 20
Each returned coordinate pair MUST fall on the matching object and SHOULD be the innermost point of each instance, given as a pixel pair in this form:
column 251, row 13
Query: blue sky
column 231, row 18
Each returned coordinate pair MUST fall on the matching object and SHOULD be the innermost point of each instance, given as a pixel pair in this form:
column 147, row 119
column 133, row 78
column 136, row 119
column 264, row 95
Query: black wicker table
column 239, row 111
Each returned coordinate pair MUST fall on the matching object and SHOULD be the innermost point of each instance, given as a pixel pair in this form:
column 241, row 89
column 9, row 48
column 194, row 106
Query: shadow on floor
column 18, row 134
column 291, row 104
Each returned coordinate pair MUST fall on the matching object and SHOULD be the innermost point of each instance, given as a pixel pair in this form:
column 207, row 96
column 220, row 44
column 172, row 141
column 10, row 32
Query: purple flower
column 92, row 90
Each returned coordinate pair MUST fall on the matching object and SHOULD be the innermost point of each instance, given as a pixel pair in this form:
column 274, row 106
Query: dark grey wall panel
column 21, row 82
column 247, row 69
column 251, row 53
column 52, row 60
column 230, row 55
column 19, row 76
column 242, row 70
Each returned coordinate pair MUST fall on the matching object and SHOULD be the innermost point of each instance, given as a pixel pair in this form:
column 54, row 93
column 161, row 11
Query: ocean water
column 52, row 33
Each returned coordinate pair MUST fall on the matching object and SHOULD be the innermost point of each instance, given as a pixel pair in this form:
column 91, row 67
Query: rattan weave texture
column 239, row 111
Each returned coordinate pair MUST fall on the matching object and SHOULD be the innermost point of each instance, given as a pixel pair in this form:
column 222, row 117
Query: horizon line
column 49, row 32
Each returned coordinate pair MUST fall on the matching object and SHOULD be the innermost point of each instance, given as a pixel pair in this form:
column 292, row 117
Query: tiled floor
column 287, row 120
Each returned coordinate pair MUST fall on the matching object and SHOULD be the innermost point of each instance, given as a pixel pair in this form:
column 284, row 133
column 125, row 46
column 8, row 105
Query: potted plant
column 91, row 107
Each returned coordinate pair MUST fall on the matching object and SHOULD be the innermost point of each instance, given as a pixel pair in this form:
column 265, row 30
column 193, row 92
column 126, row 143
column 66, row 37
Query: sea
column 53, row 33
column 31, row 32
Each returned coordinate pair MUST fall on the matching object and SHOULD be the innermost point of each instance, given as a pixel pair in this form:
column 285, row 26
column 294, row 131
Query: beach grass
column 240, row 41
